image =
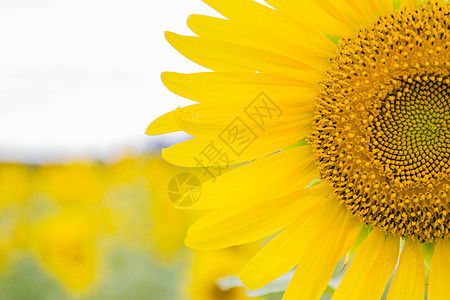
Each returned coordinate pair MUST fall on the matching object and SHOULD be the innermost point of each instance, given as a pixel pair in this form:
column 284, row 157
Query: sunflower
column 66, row 246
column 351, row 95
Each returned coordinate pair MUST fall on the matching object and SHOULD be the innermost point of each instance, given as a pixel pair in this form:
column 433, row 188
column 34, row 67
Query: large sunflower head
column 382, row 123
column 364, row 87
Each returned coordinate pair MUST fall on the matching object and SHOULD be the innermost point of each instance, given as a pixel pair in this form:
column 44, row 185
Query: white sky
column 82, row 78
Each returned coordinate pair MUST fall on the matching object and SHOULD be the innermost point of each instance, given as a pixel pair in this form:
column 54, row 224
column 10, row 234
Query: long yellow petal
column 409, row 279
column 348, row 10
column 252, row 35
column 440, row 271
column 258, row 20
column 164, row 124
column 238, row 88
column 285, row 250
column 355, row 229
column 370, row 270
column 308, row 44
column 236, row 226
column 210, row 120
column 310, row 11
column 225, row 56
column 383, row 7
column 260, row 180
column 364, row 8
column 235, row 144
column 380, row 273
column 280, row 100
column 317, row 265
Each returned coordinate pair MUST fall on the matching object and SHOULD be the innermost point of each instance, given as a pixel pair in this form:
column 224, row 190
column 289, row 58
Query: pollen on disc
column 382, row 124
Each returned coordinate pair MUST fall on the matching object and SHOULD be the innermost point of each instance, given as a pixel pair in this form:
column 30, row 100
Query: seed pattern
column 410, row 131
column 381, row 133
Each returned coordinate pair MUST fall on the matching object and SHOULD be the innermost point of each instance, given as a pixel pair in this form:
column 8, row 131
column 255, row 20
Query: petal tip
column 190, row 242
column 151, row 130
column 168, row 78
column 155, row 128
column 169, row 34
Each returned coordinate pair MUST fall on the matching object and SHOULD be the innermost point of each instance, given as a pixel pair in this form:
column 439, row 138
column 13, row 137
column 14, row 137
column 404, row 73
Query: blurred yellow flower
column 66, row 244
column 169, row 225
column 78, row 219
column 15, row 184
column 74, row 184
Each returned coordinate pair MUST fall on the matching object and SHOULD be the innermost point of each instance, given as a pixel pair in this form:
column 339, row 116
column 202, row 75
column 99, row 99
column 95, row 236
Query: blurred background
column 84, row 205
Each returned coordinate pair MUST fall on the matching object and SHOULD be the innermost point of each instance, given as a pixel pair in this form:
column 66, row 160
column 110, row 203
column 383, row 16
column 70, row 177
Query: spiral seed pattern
column 411, row 131
column 381, row 133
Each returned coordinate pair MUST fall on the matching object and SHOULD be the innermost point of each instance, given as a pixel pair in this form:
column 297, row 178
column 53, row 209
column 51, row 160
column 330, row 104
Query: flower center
column 409, row 133
column 381, row 133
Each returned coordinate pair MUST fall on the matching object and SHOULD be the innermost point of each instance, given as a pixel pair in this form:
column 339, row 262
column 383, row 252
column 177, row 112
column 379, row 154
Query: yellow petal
column 260, row 179
column 271, row 121
column 366, row 9
column 317, row 265
column 260, row 19
column 327, row 21
column 250, row 128
column 358, row 13
column 409, row 279
column 236, row 225
column 383, row 7
column 370, row 270
column 357, row 229
column 224, row 56
column 411, row 3
column 164, row 124
column 349, row 10
column 238, row 88
column 285, row 250
column 259, row 23
column 308, row 44
column 362, row 235
column 236, row 143
column 440, row 271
